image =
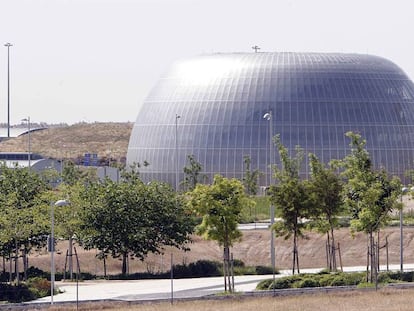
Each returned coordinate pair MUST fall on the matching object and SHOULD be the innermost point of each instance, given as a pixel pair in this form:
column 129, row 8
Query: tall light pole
column 28, row 140
column 268, row 116
column 176, row 151
column 176, row 189
column 8, row 45
column 403, row 191
column 51, row 245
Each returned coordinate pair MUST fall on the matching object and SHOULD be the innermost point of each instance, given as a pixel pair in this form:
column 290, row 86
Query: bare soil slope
column 254, row 249
column 108, row 140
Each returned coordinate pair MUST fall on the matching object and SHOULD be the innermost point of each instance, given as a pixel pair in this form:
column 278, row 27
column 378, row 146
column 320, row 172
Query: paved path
column 161, row 289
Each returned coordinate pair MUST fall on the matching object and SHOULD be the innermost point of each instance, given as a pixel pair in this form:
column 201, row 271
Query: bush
column 347, row 279
column 313, row 280
column 204, row 268
column 39, row 287
column 262, row 270
column 308, row 282
column 16, row 293
column 264, row 285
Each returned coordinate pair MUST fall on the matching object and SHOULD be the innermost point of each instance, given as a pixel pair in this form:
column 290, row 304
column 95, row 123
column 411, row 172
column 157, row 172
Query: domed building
column 222, row 107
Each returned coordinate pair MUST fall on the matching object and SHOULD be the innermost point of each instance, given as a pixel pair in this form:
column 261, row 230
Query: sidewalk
column 133, row 290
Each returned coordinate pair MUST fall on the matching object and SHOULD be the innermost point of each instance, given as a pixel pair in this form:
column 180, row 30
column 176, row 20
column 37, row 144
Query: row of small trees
column 125, row 219
column 350, row 186
column 131, row 218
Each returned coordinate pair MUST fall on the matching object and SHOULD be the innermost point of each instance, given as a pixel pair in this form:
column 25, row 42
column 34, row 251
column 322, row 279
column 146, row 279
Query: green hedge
column 332, row 279
column 34, row 288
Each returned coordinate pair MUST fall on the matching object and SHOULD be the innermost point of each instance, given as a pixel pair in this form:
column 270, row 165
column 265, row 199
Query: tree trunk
column 25, row 259
column 10, row 268
column 295, row 254
column 226, row 269
column 333, row 250
column 124, row 263
column 372, row 256
column 70, row 255
column 16, row 263
column 104, row 264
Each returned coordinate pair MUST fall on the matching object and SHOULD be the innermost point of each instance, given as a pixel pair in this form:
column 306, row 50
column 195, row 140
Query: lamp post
column 403, row 191
column 268, row 116
column 52, row 245
column 176, row 151
column 28, row 139
column 8, row 45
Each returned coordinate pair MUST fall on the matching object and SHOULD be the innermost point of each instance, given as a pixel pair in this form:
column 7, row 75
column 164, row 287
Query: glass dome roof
column 314, row 98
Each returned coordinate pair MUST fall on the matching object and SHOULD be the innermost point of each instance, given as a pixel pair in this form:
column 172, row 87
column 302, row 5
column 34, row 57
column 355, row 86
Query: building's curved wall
column 314, row 98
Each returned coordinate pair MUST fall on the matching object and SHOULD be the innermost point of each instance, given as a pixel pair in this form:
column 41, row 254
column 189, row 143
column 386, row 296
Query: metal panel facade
column 314, row 98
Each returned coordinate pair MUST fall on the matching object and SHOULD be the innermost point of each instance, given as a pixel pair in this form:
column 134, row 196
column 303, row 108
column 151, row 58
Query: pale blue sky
column 96, row 60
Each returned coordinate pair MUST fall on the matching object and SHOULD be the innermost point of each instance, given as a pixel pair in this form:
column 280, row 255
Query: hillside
column 254, row 249
column 108, row 140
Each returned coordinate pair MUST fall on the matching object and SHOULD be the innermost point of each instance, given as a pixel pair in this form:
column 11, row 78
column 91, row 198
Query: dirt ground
column 254, row 249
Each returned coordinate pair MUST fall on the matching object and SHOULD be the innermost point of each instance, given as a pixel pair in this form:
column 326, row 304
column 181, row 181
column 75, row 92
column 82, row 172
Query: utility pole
column 8, row 45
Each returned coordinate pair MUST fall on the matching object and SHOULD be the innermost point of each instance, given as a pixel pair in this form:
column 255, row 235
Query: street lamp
column 28, row 139
column 176, row 151
column 403, row 191
column 51, row 245
column 8, row 45
column 268, row 116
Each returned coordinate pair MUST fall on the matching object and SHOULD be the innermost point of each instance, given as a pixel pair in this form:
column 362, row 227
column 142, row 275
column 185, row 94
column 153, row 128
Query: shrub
column 347, row 279
column 307, row 282
column 15, row 293
column 204, row 268
column 264, row 285
column 262, row 270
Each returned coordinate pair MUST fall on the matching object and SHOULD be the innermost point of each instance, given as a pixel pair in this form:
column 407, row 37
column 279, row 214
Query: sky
column 96, row 60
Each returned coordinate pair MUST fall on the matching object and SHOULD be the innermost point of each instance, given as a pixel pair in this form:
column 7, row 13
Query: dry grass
column 382, row 300
column 105, row 139
column 252, row 250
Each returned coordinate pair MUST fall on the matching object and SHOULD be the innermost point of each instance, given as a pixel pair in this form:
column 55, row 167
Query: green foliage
column 220, row 205
column 369, row 195
column 192, row 174
column 33, row 289
column 257, row 211
column 347, row 279
column 133, row 218
column 39, row 287
column 313, row 280
column 15, row 293
column 24, row 220
column 290, row 196
column 251, row 177
column 262, row 270
column 325, row 190
column 201, row 268
column 307, row 282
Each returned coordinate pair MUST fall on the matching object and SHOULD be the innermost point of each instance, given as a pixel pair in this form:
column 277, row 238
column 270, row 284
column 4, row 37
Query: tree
column 68, row 218
column 325, row 189
column 192, row 173
column 291, row 198
column 250, row 177
column 370, row 195
column 220, row 206
column 23, row 218
column 131, row 218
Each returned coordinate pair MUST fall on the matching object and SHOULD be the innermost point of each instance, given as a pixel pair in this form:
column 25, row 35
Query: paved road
column 161, row 289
